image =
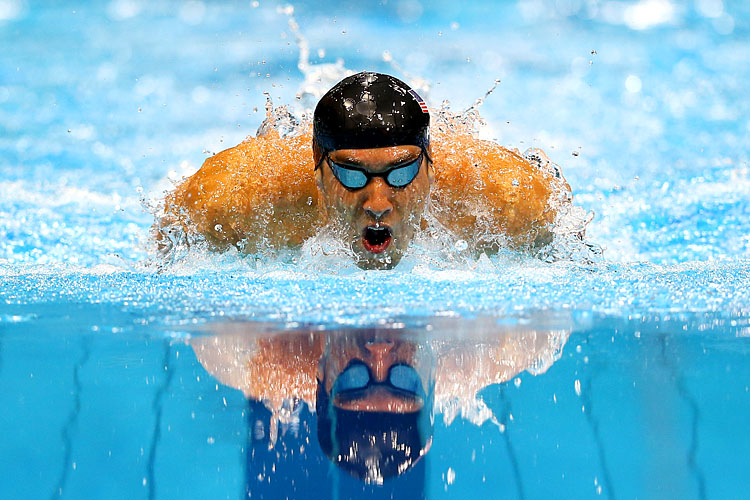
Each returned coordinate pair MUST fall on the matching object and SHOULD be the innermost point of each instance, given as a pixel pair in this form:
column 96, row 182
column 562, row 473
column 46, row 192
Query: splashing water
column 456, row 135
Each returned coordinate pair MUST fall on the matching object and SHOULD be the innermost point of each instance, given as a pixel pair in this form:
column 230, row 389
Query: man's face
column 378, row 220
column 379, row 352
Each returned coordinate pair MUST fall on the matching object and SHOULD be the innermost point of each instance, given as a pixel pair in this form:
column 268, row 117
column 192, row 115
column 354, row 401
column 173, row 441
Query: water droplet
column 450, row 476
column 577, row 386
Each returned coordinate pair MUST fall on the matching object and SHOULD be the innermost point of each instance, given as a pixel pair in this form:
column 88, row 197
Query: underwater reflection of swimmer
column 377, row 174
column 374, row 404
column 375, row 391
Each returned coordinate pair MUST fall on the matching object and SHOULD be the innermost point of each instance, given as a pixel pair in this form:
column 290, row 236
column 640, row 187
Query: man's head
column 374, row 403
column 371, row 145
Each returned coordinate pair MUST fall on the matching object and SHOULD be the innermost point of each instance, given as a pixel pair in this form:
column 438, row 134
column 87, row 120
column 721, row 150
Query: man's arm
column 262, row 194
column 264, row 365
column 483, row 191
column 259, row 193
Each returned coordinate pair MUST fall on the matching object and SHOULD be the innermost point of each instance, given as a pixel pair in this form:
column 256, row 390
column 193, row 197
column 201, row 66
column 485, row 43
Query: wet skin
column 379, row 355
column 266, row 193
column 377, row 204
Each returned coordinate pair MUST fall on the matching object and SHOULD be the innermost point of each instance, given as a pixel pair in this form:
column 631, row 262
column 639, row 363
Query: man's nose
column 380, row 363
column 378, row 205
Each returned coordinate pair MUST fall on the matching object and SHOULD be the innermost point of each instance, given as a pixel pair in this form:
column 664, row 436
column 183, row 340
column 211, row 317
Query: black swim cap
column 372, row 446
column 371, row 110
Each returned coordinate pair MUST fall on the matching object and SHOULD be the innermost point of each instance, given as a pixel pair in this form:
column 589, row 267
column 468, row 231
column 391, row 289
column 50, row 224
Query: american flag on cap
column 422, row 105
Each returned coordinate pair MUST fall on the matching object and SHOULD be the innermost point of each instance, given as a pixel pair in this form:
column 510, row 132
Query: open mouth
column 376, row 238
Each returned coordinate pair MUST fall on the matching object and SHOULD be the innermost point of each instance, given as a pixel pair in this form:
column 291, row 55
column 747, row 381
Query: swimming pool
column 642, row 391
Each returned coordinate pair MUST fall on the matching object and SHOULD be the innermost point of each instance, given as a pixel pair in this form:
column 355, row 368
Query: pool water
column 643, row 104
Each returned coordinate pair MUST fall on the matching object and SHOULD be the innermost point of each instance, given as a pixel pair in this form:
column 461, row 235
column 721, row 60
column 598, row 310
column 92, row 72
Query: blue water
column 645, row 107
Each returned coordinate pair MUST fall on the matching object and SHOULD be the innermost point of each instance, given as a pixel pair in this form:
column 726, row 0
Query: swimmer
column 369, row 384
column 375, row 165
column 374, row 404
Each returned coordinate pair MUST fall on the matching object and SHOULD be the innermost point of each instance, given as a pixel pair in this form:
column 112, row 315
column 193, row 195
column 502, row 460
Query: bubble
column 106, row 72
column 10, row 9
column 120, row 10
column 450, row 476
column 200, row 94
column 633, row 84
column 710, row 8
column 192, row 12
column 724, row 25
column 649, row 13
column 287, row 9
column 409, row 11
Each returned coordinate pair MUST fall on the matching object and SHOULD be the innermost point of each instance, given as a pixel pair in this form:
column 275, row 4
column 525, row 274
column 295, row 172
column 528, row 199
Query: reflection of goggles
column 357, row 378
column 357, row 178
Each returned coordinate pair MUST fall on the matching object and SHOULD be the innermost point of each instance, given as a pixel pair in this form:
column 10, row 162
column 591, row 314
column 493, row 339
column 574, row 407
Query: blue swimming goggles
column 356, row 178
column 357, row 378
